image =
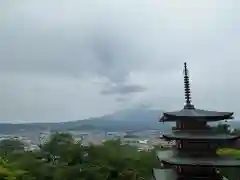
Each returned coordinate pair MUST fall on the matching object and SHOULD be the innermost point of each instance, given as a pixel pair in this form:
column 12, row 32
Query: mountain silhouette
column 136, row 119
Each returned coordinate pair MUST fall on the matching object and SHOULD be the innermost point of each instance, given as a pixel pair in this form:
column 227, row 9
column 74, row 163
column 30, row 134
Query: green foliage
column 122, row 158
column 61, row 148
column 11, row 145
column 62, row 158
column 9, row 172
column 229, row 152
column 230, row 173
column 222, row 128
column 56, row 143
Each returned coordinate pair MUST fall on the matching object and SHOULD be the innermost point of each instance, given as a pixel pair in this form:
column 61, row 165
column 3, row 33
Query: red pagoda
column 194, row 155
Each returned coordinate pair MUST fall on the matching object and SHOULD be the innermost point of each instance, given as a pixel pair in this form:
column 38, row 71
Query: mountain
column 130, row 119
column 137, row 119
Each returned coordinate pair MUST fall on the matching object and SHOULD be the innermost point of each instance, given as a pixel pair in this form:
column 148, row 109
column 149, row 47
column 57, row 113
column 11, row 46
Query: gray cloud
column 58, row 60
column 123, row 89
column 121, row 99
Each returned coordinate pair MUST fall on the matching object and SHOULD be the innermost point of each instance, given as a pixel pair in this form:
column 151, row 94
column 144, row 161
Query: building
column 194, row 156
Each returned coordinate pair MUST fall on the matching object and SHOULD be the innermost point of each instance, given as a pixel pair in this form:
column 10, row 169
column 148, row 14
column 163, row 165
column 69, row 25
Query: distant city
column 145, row 140
column 136, row 127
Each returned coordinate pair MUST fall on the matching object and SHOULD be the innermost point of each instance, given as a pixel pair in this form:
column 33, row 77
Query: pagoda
column 194, row 153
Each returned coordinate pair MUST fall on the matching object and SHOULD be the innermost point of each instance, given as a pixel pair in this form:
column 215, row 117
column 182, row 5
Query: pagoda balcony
column 199, row 135
column 170, row 157
column 200, row 176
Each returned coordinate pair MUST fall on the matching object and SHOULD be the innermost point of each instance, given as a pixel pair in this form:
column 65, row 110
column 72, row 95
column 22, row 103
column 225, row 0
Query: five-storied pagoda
column 194, row 155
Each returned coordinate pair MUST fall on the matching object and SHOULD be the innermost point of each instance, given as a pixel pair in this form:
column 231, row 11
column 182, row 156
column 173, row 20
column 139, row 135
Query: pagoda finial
column 187, row 89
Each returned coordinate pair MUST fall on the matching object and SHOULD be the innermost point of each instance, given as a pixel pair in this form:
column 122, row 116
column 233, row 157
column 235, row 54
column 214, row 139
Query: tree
column 56, row 142
column 11, row 145
column 123, row 160
column 222, row 128
column 61, row 147
column 128, row 175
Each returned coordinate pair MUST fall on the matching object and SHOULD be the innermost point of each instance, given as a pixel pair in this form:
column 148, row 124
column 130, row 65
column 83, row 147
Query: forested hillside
column 62, row 158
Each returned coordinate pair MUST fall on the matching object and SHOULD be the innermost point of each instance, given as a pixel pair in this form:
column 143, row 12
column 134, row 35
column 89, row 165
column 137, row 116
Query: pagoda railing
column 196, row 154
column 185, row 129
column 195, row 131
column 202, row 178
column 201, row 175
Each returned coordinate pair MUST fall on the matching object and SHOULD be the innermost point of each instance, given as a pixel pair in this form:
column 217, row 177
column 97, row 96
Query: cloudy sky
column 71, row 59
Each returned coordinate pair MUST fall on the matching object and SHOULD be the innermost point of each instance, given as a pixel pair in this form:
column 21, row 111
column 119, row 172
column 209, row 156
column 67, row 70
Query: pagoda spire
column 187, row 89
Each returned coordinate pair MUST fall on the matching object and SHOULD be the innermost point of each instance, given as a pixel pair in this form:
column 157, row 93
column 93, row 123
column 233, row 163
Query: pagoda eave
column 200, row 164
column 196, row 118
column 195, row 114
column 220, row 162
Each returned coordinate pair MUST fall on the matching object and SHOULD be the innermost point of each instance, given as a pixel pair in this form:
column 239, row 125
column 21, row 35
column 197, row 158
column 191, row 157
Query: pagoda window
column 182, row 125
column 180, row 145
column 179, row 169
column 194, row 125
column 178, row 125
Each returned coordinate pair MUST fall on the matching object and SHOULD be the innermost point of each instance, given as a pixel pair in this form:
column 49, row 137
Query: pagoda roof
column 209, row 136
column 195, row 114
column 200, row 161
column 164, row 174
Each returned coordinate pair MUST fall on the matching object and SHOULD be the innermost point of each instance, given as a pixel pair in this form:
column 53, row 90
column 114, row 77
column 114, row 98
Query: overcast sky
column 71, row 59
